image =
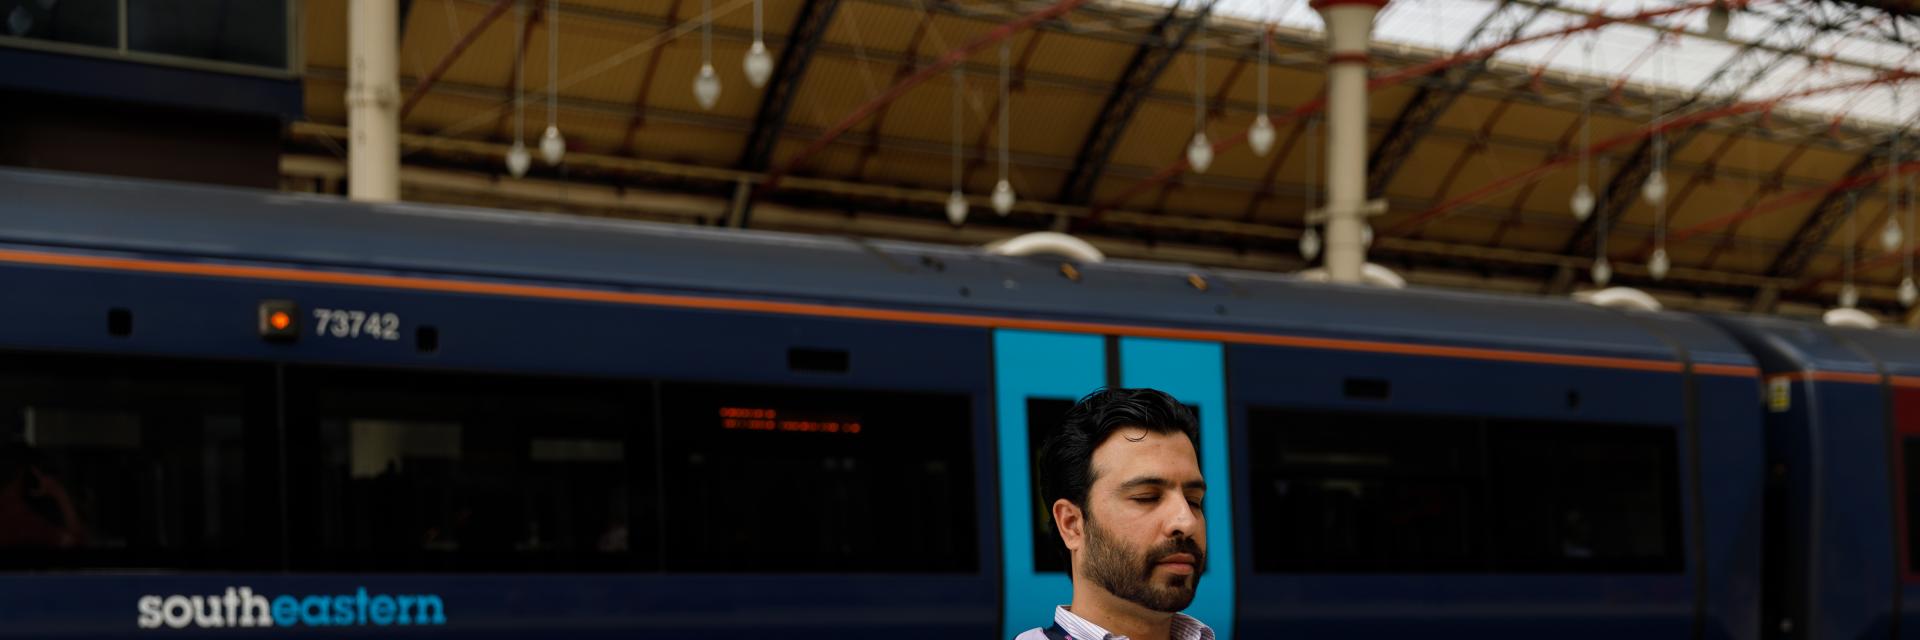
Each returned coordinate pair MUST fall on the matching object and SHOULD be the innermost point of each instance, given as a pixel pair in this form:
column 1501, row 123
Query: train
column 229, row 412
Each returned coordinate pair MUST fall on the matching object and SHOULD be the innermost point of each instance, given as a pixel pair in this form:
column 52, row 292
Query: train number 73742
column 353, row 323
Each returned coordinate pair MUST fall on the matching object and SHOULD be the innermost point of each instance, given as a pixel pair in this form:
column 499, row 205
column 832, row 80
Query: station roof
column 1776, row 128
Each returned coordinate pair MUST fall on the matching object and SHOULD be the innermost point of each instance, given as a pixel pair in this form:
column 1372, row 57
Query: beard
column 1130, row 576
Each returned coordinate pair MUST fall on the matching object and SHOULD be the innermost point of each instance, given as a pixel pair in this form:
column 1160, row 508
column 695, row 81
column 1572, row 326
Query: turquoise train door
column 1038, row 375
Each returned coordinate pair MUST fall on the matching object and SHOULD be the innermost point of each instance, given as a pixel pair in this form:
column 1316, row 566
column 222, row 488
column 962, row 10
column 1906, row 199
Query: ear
column 1068, row 521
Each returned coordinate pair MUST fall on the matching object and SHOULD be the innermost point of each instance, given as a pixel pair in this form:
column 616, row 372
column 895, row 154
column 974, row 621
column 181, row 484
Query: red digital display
column 768, row 419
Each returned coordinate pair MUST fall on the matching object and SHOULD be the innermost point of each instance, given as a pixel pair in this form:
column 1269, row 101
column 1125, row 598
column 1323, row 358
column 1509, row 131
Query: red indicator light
column 280, row 320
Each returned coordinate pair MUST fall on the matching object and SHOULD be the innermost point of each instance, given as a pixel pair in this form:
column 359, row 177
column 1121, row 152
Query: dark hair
column 1066, row 459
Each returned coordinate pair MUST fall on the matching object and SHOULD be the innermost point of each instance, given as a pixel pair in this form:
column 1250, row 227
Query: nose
column 1184, row 521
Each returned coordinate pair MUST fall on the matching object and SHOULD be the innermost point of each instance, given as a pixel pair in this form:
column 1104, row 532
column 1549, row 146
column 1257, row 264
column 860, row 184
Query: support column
column 373, row 101
column 1349, row 31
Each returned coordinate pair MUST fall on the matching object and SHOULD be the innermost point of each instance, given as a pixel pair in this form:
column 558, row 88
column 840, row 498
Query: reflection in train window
column 1411, row 494
column 468, row 472
column 816, row 480
column 130, row 463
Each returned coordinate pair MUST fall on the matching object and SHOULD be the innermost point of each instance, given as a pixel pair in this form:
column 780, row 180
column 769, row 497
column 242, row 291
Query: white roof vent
column 1046, row 243
column 1854, row 318
column 1619, row 298
column 1370, row 274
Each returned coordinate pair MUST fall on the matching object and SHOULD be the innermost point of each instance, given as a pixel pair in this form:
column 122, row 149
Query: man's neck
column 1119, row 617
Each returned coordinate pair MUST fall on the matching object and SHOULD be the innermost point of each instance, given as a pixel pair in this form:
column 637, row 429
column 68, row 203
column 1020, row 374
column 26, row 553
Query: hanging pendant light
column 1657, row 264
column 758, row 63
column 1907, row 291
column 1602, row 271
column 1200, row 151
column 1003, row 197
column 1261, row 135
column 1891, row 236
column 1366, row 235
column 518, row 160
column 552, row 145
column 1655, row 188
column 1310, row 244
column 956, row 208
column 1582, row 202
column 706, row 86
column 1849, row 296
column 956, row 201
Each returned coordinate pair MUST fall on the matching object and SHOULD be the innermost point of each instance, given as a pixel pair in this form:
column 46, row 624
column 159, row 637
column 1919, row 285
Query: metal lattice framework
column 1503, row 24
column 778, row 97
column 1149, row 61
column 1724, row 86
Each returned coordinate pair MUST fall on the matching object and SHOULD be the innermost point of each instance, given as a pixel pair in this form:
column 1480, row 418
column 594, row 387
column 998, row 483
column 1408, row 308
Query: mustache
column 1175, row 546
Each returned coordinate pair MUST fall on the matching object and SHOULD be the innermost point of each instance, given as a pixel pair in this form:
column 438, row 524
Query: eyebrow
column 1154, row 481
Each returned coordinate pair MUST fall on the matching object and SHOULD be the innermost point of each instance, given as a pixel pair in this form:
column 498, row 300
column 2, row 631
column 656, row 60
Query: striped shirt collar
column 1185, row 627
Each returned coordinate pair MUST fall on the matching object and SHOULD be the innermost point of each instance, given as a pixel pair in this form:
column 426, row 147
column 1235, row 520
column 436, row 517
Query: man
column 1123, row 481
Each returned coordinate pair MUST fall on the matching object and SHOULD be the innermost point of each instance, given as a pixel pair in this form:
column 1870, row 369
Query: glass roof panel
column 1679, row 66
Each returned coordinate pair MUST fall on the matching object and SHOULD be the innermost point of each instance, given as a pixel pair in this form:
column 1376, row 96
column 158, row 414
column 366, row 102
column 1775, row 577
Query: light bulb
column 1582, row 202
column 1890, row 235
column 1366, row 235
column 1657, row 264
column 758, row 64
column 1908, row 292
column 552, row 145
column 1602, row 272
column 1655, row 188
column 1200, row 153
column 518, row 159
column 1260, row 137
column 956, row 208
column 1849, row 296
column 1310, row 244
column 1003, row 198
column 706, row 87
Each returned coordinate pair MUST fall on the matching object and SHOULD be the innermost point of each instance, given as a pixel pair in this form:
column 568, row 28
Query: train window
column 413, row 471
column 1584, row 497
column 88, row 22
column 133, row 463
column 772, row 479
column 1044, row 416
column 1400, row 493
column 1910, row 459
column 1365, row 492
column 252, row 33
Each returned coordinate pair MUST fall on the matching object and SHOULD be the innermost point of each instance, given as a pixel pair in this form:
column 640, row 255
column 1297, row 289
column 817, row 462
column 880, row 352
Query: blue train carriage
column 1454, row 465
column 261, row 410
column 523, row 422
column 1843, row 432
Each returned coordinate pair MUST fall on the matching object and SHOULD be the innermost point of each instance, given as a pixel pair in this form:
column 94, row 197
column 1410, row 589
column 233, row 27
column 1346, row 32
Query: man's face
column 1146, row 536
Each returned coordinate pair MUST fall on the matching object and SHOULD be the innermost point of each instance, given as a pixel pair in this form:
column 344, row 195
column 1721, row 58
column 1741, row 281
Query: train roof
column 85, row 213
column 1790, row 345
